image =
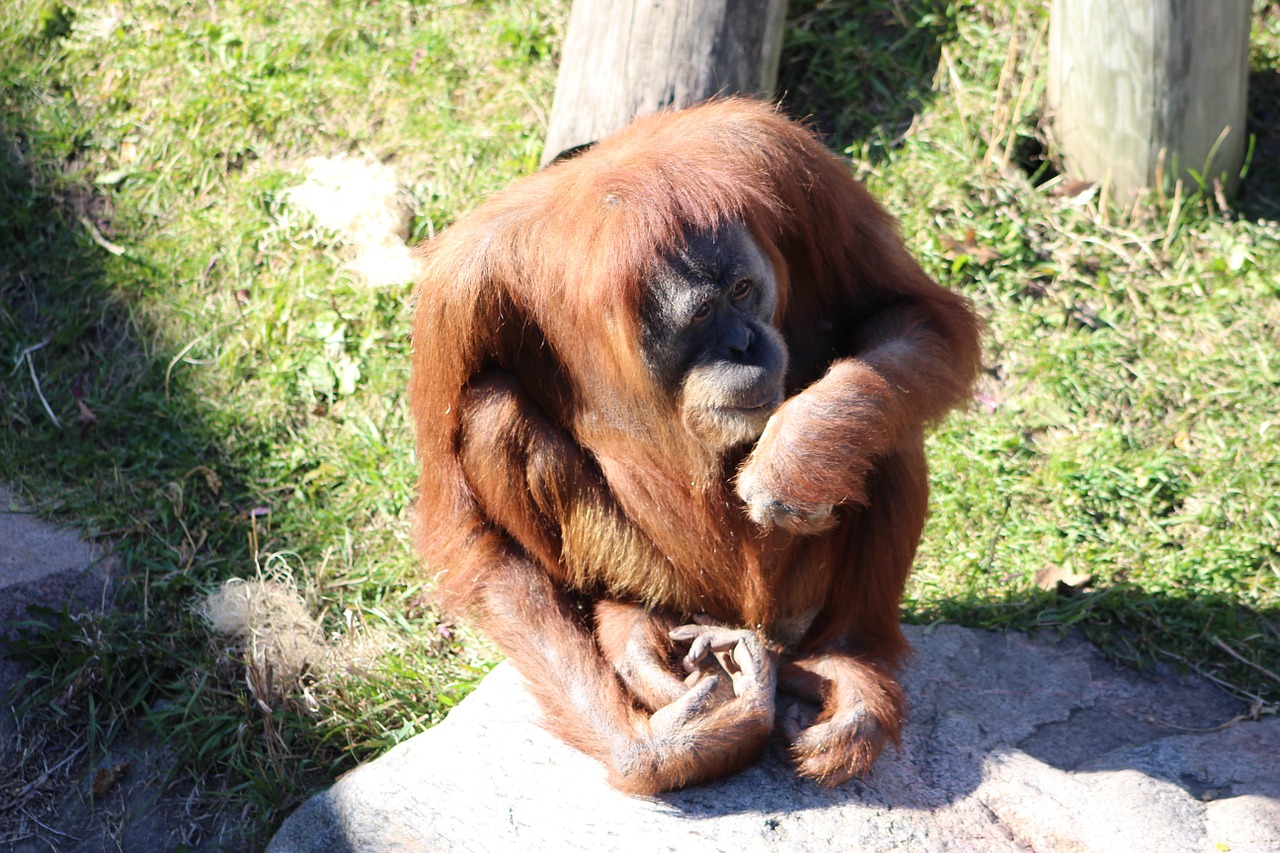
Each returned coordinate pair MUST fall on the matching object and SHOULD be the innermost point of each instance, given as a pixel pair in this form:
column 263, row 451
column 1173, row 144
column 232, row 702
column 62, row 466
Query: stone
column 41, row 563
column 1013, row 743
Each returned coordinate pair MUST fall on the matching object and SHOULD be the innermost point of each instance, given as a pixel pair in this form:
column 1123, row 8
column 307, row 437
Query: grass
column 217, row 438
column 228, row 394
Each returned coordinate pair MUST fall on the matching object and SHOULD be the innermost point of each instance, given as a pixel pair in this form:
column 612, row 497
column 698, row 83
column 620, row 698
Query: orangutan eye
column 741, row 289
column 702, row 312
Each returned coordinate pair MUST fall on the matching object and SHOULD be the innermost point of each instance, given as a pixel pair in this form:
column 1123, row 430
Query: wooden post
column 624, row 58
column 1143, row 92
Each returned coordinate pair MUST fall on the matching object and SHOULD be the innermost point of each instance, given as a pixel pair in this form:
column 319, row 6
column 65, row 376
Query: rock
column 1013, row 743
column 44, row 564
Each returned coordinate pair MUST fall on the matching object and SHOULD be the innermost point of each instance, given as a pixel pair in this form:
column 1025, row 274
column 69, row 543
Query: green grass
column 205, row 352
column 230, row 396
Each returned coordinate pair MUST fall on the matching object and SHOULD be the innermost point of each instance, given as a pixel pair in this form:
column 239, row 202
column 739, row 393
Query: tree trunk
column 624, row 58
column 1146, row 92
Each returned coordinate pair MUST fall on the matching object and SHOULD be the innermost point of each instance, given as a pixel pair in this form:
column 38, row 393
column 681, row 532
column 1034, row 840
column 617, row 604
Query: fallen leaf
column 969, row 248
column 990, row 403
column 106, row 778
column 211, row 478
column 86, row 417
column 1072, row 188
column 1055, row 578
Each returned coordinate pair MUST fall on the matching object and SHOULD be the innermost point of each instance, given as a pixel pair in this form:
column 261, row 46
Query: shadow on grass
column 860, row 70
column 1147, row 630
column 95, row 431
column 1260, row 190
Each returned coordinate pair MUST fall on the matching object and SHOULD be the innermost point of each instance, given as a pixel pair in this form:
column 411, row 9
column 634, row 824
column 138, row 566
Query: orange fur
column 556, row 471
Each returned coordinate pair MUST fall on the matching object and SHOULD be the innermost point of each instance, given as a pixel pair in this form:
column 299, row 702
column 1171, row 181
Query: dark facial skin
column 708, row 335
